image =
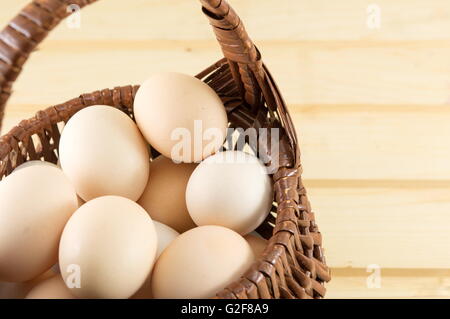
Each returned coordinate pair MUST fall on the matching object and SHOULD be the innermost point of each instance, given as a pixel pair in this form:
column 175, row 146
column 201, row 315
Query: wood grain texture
column 357, row 283
column 402, row 20
column 388, row 226
column 372, row 108
column 323, row 72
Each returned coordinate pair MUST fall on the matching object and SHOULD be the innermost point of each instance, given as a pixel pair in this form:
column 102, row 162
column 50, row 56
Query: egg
column 200, row 262
column 107, row 248
column 35, row 204
column 257, row 243
column 37, row 162
column 80, row 201
column 164, row 195
column 230, row 189
column 19, row 290
column 103, row 153
column 165, row 236
column 33, row 163
column 180, row 116
column 14, row 290
column 52, row 288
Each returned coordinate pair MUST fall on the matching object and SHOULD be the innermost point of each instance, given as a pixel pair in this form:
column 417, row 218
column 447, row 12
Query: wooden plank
column 374, row 142
column 387, row 226
column 394, row 284
column 307, row 73
column 269, row 19
column 386, row 145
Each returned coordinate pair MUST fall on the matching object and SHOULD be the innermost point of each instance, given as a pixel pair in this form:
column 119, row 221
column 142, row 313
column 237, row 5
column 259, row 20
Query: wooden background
column 371, row 106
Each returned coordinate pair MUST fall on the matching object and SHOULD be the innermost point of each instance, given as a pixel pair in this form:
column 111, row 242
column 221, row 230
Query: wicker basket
column 293, row 265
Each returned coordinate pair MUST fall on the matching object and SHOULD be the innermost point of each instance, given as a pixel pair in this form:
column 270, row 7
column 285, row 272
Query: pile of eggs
column 108, row 222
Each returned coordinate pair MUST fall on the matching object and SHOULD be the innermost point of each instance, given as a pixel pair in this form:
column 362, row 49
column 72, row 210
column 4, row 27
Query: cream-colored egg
column 37, row 162
column 33, row 163
column 180, row 116
column 52, row 288
column 257, row 243
column 165, row 236
column 110, row 243
column 35, row 204
column 103, row 153
column 164, row 196
column 230, row 189
column 201, row 262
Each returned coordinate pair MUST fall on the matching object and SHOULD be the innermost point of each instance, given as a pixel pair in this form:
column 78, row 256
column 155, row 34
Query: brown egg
column 180, row 116
column 257, row 243
column 19, row 290
column 14, row 290
column 107, row 249
column 201, row 262
column 52, row 288
column 164, row 196
column 35, row 204
column 103, row 153
column 80, row 201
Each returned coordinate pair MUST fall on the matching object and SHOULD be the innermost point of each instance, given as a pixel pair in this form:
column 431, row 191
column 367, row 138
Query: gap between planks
column 166, row 44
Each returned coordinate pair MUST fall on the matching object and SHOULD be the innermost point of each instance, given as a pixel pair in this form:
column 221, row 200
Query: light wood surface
column 372, row 109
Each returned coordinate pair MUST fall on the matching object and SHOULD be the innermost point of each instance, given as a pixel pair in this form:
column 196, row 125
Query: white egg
column 230, row 189
column 103, row 153
column 165, row 236
column 108, row 248
column 33, row 163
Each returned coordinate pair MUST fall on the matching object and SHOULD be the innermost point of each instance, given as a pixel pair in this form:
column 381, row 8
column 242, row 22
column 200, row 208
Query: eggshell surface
column 165, row 236
column 257, row 243
column 182, row 117
column 164, row 196
column 33, row 163
column 19, row 290
column 52, row 288
column 35, row 204
column 103, row 153
column 230, row 189
column 107, row 248
column 200, row 262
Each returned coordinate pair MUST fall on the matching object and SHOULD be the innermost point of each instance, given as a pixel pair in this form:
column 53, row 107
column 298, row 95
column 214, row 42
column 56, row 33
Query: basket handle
column 31, row 26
